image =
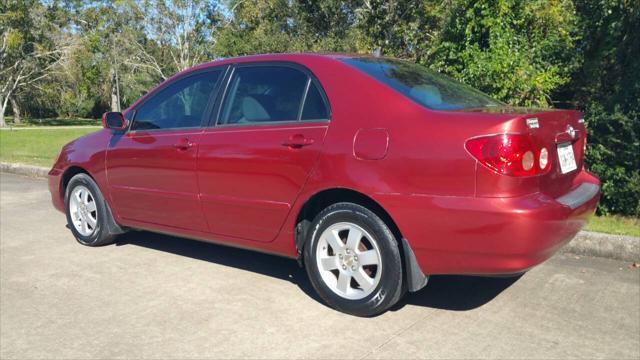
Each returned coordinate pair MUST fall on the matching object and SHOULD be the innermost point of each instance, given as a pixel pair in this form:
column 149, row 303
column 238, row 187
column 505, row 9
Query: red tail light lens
column 510, row 154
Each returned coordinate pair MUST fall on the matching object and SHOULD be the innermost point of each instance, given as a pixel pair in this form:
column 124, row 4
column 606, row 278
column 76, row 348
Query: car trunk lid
column 561, row 132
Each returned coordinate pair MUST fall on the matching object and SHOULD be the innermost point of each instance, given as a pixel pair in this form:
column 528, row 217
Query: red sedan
column 373, row 172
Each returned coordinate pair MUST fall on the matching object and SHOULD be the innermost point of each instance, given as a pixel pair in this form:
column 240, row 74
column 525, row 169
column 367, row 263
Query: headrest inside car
column 252, row 110
column 426, row 94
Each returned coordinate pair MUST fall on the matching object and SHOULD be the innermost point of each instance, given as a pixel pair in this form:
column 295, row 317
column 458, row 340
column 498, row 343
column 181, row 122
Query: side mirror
column 114, row 121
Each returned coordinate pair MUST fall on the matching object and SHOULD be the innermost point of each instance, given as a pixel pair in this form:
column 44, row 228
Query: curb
column 618, row 247
column 587, row 243
column 26, row 170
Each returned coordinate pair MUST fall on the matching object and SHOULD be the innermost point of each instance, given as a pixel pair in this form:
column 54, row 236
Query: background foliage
column 79, row 58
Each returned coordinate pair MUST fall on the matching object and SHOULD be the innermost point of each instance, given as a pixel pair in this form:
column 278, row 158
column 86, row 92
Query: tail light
column 510, row 154
column 543, row 159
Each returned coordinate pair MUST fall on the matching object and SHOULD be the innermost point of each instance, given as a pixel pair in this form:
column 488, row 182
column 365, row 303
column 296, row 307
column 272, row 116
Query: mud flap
column 416, row 279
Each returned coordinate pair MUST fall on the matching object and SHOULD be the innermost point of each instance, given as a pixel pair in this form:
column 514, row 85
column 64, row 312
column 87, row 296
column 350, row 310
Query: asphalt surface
column 155, row 296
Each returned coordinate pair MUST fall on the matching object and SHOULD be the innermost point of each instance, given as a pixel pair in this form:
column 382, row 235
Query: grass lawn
column 615, row 225
column 53, row 122
column 36, row 146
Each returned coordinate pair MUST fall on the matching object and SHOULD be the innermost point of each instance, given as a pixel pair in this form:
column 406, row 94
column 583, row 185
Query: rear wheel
column 87, row 212
column 353, row 260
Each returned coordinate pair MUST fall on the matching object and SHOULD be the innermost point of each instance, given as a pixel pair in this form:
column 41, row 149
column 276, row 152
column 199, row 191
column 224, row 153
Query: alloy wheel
column 83, row 210
column 349, row 261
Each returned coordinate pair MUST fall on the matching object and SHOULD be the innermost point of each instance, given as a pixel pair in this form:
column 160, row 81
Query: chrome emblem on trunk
column 571, row 131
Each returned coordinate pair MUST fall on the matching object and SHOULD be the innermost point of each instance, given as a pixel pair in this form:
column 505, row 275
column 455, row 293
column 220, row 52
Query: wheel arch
column 69, row 173
column 412, row 274
column 112, row 226
column 320, row 200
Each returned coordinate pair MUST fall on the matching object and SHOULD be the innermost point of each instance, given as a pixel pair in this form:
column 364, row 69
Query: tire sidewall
column 386, row 292
column 98, row 234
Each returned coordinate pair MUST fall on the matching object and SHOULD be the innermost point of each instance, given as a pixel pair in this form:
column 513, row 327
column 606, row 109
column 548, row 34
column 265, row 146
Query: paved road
column 154, row 296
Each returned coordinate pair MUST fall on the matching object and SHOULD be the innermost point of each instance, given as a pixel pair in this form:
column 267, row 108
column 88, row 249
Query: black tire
column 100, row 234
column 390, row 286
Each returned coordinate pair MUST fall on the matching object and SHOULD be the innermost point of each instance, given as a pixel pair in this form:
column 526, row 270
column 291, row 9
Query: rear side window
column 426, row 87
column 315, row 107
column 260, row 94
column 179, row 105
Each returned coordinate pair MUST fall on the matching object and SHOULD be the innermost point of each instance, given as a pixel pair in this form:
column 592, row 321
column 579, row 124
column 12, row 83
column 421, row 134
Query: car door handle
column 183, row 144
column 297, row 141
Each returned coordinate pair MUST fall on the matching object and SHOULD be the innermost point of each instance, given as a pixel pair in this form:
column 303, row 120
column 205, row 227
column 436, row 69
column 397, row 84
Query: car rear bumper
column 491, row 236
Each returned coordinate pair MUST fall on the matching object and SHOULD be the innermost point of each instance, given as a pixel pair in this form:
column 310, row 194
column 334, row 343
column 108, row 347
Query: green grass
column 53, row 122
column 36, row 146
column 618, row 225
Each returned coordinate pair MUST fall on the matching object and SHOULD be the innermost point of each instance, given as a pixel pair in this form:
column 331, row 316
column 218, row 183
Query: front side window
column 424, row 86
column 179, row 105
column 259, row 94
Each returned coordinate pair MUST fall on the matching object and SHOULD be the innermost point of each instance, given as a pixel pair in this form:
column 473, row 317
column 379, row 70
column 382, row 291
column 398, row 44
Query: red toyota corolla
column 373, row 172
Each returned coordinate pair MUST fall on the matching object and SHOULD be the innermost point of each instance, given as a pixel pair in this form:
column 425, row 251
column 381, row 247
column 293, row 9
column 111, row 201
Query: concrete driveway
column 155, row 296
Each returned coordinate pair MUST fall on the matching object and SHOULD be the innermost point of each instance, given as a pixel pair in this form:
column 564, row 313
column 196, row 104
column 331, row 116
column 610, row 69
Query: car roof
column 293, row 57
column 283, row 56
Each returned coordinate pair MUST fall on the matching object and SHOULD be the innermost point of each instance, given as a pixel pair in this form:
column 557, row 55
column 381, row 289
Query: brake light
column 510, row 154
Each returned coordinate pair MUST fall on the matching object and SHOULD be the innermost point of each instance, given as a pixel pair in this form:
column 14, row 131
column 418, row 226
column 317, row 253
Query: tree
column 179, row 34
column 30, row 50
column 108, row 32
column 276, row 26
column 260, row 26
column 518, row 51
column 607, row 87
column 398, row 28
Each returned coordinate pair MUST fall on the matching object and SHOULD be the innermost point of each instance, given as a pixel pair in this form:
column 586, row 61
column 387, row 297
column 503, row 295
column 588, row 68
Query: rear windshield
column 426, row 87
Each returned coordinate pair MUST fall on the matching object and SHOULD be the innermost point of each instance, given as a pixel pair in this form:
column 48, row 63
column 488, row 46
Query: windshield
column 426, row 87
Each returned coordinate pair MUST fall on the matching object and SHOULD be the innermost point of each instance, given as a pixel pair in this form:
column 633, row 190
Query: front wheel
column 87, row 213
column 353, row 260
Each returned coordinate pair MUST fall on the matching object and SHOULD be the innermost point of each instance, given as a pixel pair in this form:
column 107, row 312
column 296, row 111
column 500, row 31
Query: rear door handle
column 183, row 144
column 297, row 141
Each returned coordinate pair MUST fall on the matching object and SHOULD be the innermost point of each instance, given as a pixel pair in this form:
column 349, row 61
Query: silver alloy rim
column 82, row 207
column 349, row 261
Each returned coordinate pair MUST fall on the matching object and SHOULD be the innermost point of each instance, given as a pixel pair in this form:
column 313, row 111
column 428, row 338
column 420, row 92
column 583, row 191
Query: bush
column 613, row 154
column 608, row 84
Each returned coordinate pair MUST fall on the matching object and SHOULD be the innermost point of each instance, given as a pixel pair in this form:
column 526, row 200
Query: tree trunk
column 115, row 98
column 3, row 104
column 118, row 89
column 17, row 119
